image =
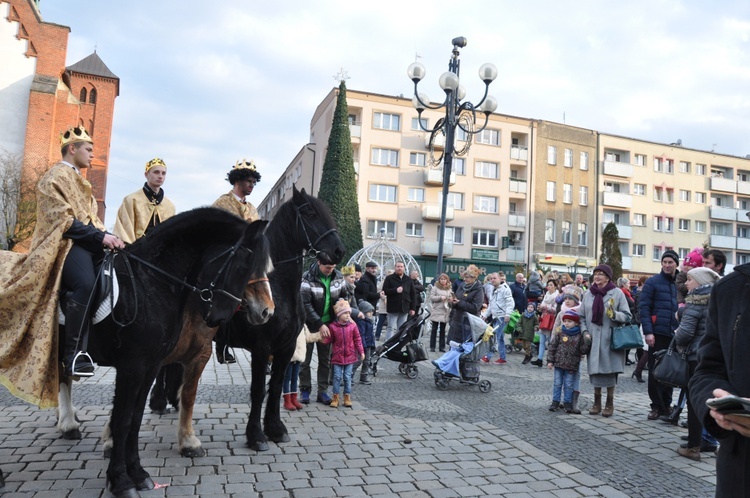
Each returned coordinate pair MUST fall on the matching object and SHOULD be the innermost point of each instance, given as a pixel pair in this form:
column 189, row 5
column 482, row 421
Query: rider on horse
column 68, row 242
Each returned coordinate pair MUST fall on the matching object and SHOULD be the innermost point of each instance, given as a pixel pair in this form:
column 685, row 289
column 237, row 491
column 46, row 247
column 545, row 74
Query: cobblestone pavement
column 402, row 438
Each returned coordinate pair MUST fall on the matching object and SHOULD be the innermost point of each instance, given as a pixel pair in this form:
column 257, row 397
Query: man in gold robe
column 146, row 208
column 243, row 177
column 67, row 243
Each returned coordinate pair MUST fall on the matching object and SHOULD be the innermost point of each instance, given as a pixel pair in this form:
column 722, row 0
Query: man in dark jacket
column 366, row 287
column 658, row 305
column 723, row 369
column 517, row 288
column 400, row 298
column 322, row 285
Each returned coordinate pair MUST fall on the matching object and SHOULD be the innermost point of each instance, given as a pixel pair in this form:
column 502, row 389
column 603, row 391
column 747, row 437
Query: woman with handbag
column 548, row 309
column 688, row 335
column 603, row 307
column 440, row 297
column 624, row 285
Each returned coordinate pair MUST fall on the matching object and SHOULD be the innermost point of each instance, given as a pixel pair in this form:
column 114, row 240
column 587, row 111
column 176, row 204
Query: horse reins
column 311, row 250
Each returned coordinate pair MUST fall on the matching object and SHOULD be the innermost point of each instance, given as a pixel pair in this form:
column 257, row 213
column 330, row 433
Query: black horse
column 198, row 260
column 302, row 225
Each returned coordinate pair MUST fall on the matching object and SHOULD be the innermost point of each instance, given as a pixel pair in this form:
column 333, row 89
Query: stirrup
column 228, row 355
column 82, row 373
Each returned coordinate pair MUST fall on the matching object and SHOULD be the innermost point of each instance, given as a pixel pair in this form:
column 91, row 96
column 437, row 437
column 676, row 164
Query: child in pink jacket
column 346, row 350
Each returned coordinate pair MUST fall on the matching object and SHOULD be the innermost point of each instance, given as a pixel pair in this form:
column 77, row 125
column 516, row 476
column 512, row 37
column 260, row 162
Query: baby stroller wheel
column 485, row 386
column 412, row 371
column 508, row 349
column 441, row 384
column 402, row 368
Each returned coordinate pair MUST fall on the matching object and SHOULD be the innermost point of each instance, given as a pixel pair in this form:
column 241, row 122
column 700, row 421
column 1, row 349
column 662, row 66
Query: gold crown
column 155, row 162
column 348, row 270
column 245, row 164
column 73, row 135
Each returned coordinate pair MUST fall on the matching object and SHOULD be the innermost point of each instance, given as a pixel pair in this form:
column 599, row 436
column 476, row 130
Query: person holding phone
column 723, row 369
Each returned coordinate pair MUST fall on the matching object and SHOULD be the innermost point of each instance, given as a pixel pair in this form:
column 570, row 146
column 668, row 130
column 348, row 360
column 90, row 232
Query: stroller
column 514, row 342
column 404, row 347
column 468, row 365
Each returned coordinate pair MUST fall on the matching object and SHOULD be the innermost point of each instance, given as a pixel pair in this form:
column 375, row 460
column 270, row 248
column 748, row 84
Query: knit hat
column 341, row 306
column 572, row 292
column 606, row 270
column 348, row 270
column 365, row 307
column 572, row 316
column 357, row 267
column 694, row 259
column 371, row 264
column 704, row 276
column 671, row 254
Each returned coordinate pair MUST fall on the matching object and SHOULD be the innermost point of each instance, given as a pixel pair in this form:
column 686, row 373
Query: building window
column 700, row 197
column 685, row 195
column 82, row 98
column 639, row 250
column 417, row 158
column 92, row 96
column 454, row 234
column 549, row 231
column 639, row 219
column 551, row 154
column 669, row 196
column 700, row 226
column 568, row 159
column 584, row 196
column 669, row 225
column 414, row 229
column 658, row 165
column 459, row 166
column 551, row 189
column 461, row 134
column 455, row 200
column 384, row 121
column 382, row 193
column 658, row 194
column 669, row 166
column 485, row 204
column 567, row 193
column 584, row 160
column 484, row 169
column 375, row 226
column 583, row 234
column 612, row 217
column 639, row 189
column 658, row 223
column 656, row 253
column 684, row 225
column 489, row 137
column 416, row 194
column 640, row 160
column 743, row 258
column 700, row 169
column 566, row 228
column 415, row 124
column 684, row 167
column 385, row 157
column 484, row 238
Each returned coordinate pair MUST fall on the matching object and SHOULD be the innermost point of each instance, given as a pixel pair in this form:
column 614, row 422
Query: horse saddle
column 105, row 294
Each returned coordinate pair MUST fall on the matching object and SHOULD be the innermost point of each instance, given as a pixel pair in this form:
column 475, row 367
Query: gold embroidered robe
column 228, row 202
column 135, row 214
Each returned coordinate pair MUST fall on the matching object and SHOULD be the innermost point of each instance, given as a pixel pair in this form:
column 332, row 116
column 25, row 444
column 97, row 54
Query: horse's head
column 317, row 227
column 239, row 270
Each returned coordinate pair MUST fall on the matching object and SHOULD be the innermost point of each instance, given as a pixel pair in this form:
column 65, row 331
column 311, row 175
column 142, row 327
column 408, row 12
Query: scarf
column 529, row 314
column 597, row 309
column 571, row 331
column 152, row 196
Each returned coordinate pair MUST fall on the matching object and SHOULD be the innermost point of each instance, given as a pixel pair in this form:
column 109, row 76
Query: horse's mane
column 284, row 220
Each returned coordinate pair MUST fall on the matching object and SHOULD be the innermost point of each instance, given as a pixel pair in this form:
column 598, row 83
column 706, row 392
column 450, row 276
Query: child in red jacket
column 346, row 350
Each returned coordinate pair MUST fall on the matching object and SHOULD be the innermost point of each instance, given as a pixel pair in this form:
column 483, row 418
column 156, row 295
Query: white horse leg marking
column 66, row 412
column 107, row 436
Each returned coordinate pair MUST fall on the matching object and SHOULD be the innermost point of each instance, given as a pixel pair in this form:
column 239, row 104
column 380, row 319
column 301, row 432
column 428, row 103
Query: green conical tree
column 338, row 186
column 611, row 254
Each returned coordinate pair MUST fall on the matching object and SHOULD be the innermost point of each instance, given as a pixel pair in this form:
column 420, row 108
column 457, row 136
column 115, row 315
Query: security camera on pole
column 458, row 113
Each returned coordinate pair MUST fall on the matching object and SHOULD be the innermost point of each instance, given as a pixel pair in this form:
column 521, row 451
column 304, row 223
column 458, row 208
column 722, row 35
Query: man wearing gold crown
column 67, row 243
column 146, row 208
column 243, row 177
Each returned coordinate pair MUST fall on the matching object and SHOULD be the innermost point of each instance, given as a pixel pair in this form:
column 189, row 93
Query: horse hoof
column 193, row 452
column 126, row 493
column 107, row 452
column 160, row 411
column 144, row 485
column 73, row 434
column 284, row 438
column 259, row 446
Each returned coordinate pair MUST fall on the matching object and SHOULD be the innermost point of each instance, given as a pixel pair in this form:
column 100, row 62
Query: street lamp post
column 458, row 113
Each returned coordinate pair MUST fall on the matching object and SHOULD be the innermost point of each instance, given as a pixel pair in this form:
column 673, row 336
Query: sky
column 204, row 84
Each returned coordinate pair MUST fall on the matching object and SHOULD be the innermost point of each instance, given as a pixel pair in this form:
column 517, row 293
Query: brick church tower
column 40, row 97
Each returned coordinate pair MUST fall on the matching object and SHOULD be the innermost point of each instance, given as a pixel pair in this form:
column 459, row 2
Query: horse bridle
column 311, row 250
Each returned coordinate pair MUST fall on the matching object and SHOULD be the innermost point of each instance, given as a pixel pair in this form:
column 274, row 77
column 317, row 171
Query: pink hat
column 695, row 258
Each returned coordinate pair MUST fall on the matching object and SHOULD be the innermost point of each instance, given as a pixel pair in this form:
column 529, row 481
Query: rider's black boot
column 76, row 361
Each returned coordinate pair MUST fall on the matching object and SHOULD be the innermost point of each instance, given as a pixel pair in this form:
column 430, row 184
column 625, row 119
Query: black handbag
column 626, row 337
column 416, row 352
column 671, row 367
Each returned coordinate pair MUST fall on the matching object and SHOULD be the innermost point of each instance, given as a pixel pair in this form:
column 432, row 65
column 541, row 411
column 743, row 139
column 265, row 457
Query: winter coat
column 500, row 303
column 303, row 338
column 548, row 304
column 693, row 323
column 418, row 289
column 565, row 350
column 602, row 360
column 535, row 287
column 528, row 327
column 314, row 298
column 346, row 343
column 470, row 300
column 366, row 332
column 367, row 288
column 400, row 302
column 657, row 305
column 519, row 296
column 680, row 282
column 440, row 299
column 723, row 363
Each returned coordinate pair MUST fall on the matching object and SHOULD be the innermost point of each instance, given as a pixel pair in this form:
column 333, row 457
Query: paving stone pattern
column 402, row 438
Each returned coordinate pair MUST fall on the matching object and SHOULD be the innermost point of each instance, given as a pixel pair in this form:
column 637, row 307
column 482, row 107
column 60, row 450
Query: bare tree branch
column 17, row 201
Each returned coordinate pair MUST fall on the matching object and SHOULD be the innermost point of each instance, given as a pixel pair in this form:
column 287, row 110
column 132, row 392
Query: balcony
column 624, row 231
column 356, row 167
column 431, row 212
column 434, row 177
column 723, row 241
column 722, row 213
column 615, row 168
column 514, row 254
column 430, row 248
column 743, row 188
column 627, row 263
column 518, row 153
column 355, row 130
column 617, row 199
column 743, row 244
column 518, row 185
column 517, row 220
column 438, row 143
column 723, row 184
